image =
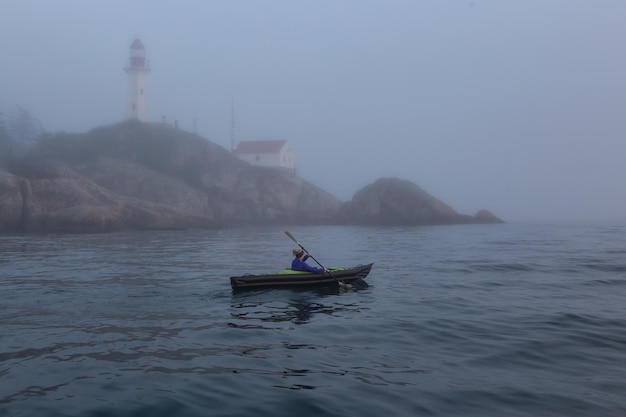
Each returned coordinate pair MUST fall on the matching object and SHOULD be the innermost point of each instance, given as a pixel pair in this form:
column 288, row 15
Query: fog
column 515, row 106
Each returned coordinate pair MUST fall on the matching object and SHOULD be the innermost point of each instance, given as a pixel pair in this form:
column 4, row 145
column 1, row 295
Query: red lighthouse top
column 137, row 54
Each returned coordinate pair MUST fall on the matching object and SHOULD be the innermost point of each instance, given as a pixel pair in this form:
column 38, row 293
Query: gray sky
column 516, row 106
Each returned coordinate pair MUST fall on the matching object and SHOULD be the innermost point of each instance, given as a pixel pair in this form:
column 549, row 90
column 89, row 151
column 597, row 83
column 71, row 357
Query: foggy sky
column 515, row 106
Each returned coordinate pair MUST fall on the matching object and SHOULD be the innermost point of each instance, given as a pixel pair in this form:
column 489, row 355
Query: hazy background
column 514, row 106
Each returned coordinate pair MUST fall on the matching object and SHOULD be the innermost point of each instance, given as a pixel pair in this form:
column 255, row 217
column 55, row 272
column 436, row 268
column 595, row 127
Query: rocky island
column 145, row 176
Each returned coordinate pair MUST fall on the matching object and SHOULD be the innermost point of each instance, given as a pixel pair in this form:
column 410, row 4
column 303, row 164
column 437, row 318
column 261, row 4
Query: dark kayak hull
column 301, row 279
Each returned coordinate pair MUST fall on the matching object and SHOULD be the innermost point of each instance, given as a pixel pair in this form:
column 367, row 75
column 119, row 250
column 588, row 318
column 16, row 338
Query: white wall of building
column 282, row 159
column 137, row 102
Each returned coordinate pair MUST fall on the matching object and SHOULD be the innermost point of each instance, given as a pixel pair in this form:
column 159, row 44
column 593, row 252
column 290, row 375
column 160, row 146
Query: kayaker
column 299, row 262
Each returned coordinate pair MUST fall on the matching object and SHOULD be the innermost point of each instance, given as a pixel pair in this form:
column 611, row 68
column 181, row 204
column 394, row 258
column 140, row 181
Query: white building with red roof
column 266, row 153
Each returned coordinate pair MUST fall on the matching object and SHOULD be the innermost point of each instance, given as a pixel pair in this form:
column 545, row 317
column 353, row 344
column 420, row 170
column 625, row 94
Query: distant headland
column 146, row 176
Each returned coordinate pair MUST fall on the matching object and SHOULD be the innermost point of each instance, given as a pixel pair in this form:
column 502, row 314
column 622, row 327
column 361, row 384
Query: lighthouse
column 137, row 70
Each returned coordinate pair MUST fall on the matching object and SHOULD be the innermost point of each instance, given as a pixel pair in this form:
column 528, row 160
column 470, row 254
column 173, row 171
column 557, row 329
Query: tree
column 24, row 129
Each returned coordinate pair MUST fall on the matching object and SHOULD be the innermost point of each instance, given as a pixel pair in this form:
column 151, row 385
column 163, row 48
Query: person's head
column 298, row 252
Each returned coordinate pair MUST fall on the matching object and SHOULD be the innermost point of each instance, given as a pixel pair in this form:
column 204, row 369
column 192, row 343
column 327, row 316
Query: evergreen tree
column 24, row 129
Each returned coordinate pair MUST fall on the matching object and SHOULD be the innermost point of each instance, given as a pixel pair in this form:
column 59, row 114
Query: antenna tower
column 232, row 125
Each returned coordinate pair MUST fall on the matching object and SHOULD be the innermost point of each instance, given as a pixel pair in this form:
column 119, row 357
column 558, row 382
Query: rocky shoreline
column 138, row 176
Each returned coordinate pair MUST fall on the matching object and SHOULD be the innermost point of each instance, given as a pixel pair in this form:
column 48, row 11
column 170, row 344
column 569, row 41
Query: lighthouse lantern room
column 137, row 70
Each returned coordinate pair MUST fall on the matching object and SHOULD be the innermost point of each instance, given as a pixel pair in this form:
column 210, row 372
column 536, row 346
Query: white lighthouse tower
column 137, row 70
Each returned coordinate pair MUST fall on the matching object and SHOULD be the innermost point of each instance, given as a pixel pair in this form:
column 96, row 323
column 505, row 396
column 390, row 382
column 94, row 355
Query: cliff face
column 135, row 176
column 11, row 202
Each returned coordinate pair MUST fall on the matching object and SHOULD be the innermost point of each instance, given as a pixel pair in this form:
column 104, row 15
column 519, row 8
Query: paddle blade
column 291, row 237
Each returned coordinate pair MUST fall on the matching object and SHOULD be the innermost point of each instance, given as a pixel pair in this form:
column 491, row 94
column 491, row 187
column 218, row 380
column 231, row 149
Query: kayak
column 291, row 278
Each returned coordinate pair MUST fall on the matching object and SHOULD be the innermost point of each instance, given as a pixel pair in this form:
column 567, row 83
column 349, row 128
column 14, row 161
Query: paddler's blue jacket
column 300, row 265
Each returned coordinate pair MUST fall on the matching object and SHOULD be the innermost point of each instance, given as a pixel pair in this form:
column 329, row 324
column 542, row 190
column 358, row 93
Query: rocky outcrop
column 136, row 176
column 71, row 203
column 393, row 201
column 486, row 217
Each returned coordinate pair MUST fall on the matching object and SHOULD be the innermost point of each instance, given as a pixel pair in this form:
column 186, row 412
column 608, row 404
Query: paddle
column 312, row 257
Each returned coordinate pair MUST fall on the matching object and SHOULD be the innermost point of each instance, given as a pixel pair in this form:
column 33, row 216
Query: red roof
column 260, row 146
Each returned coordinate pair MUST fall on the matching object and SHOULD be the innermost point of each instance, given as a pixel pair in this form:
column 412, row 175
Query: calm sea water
column 498, row 320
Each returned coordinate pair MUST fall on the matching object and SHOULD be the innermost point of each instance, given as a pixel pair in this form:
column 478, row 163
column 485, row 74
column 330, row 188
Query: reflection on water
column 297, row 312
column 309, row 302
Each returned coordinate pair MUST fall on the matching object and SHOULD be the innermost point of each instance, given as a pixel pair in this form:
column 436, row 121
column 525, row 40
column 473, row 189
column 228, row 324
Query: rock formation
column 137, row 176
column 396, row 202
